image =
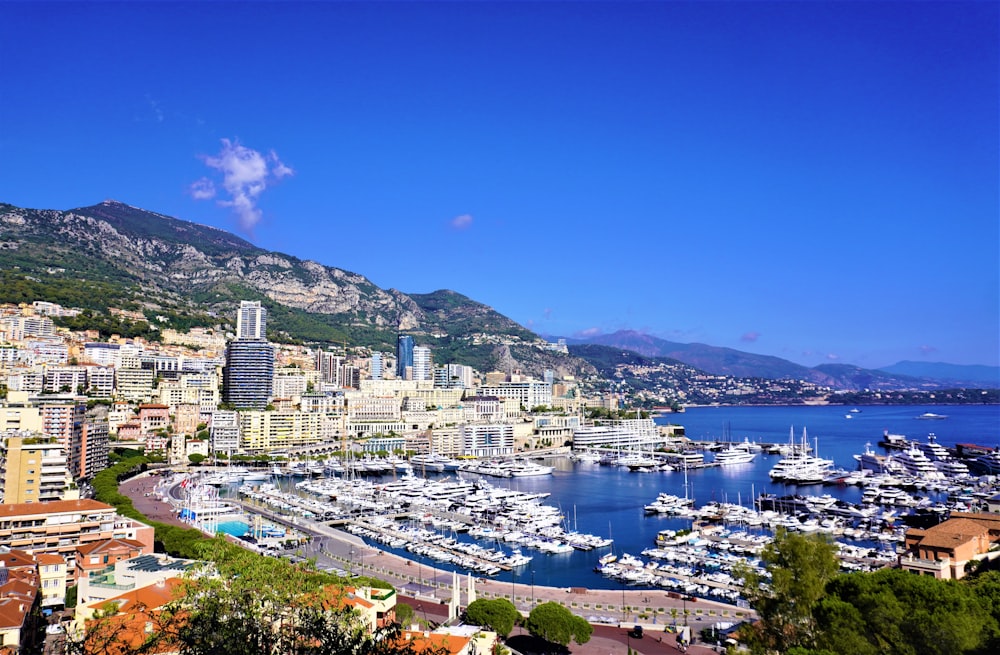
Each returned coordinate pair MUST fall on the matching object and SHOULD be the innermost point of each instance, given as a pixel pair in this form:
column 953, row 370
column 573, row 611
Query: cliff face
column 162, row 261
column 178, row 257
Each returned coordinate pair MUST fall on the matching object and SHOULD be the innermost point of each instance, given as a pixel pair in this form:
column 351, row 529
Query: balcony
column 938, row 568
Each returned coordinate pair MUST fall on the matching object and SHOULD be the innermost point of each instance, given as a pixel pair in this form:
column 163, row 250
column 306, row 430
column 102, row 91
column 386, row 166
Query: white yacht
column 427, row 462
column 933, row 449
column 733, row 456
column 800, row 467
column 521, row 469
column 872, row 461
column 687, row 459
column 952, row 467
column 916, row 464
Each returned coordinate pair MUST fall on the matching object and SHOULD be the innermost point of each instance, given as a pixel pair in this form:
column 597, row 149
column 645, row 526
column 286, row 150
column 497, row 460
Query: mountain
column 735, row 363
column 711, row 359
column 179, row 273
column 959, row 374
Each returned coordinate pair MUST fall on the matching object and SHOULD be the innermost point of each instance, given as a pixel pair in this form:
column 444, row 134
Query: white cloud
column 246, row 173
column 203, row 189
column 461, row 222
column 750, row 337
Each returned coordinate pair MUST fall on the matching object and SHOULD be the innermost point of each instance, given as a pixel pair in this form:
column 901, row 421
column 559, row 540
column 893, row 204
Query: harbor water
column 609, row 500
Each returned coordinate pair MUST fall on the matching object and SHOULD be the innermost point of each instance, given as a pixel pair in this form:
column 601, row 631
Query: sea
column 609, row 500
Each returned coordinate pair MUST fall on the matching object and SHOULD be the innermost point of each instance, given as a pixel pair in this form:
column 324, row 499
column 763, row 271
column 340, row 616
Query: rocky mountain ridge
column 160, row 262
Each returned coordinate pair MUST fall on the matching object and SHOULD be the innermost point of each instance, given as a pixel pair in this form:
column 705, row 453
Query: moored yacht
column 916, row 464
column 872, row 461
column 733, row 456
column 933, row 449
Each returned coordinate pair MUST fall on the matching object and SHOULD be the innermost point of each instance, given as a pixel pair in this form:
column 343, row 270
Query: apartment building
column 65, row 379
column 487, row 439
column 224, row 431
column 134, row 384
column 34, row 469
column 58, row 527
column 261, row 432
column 527, row 394
column 94, row 448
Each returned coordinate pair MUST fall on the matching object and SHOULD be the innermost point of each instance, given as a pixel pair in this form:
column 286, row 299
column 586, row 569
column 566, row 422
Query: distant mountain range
column 180, row 274
column 736, row 363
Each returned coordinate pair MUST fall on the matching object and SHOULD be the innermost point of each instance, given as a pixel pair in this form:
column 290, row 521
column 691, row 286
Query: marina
column 555, row 529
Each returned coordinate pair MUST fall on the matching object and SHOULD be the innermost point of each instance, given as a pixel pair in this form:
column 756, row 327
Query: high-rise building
column 404, row 355
column 248, row 377
column 251, row 321
column 62, row 421
column 422, row 363
column 378, row 364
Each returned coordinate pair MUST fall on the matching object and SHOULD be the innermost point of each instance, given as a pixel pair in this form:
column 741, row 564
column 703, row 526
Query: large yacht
column 732, row 456
column 872, row 461
column 521, row 469
column 916, row 464
column 800, row 467
column 933, row 449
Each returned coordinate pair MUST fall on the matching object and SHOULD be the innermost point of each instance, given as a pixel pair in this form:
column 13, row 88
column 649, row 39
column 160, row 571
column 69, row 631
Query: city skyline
column 816, row 181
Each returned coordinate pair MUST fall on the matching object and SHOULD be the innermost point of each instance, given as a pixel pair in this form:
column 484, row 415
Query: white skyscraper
column 378, row 365
column 251, row 321
column 422, row 363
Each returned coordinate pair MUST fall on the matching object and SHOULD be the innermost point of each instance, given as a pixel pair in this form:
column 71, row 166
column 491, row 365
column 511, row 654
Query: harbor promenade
column 613, row 612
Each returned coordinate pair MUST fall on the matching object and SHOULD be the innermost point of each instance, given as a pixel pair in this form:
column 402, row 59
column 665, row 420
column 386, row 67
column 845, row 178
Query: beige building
column 944, row 550
column 19, row 414
column 264, row 431
column 135, row 384
column 34, row 470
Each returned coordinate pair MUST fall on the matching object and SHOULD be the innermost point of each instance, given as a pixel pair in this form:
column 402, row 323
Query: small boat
column 931, row 416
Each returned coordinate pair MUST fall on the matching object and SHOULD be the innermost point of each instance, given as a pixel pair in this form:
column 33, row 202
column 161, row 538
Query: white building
column 629, row 433
column 251, row 320
column 487, row 439
column 423, row 364
column 528, row 394
column 225, row 431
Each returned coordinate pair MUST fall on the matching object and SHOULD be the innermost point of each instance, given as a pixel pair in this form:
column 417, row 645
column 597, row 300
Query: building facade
column 249, row 374
column 404, row 355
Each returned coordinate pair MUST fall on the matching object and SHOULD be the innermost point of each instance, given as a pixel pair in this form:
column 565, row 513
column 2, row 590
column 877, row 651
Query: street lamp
column 623, row 600
column 532, row 588
column 351, row 569
column 513, row 580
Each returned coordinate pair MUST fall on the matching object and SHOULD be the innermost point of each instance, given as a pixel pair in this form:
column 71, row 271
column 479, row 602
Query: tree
column 404, row 614
column 553, row 622
column 196, row 458
column 252, row 605
column 894, row 611
column 498, row 615
column 800, row 566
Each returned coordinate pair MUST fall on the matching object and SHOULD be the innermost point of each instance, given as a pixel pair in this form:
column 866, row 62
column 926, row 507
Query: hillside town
column 72, row 400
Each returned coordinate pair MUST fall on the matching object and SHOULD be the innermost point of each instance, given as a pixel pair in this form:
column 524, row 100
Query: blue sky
column 812, row 180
